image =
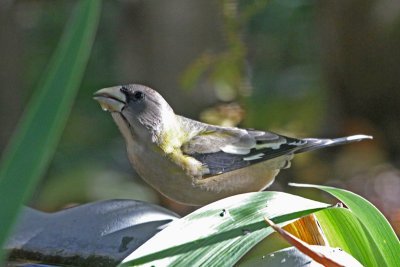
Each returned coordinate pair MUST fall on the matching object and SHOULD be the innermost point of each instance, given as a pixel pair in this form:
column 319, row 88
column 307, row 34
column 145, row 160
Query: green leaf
column 342, row 229
column 375, row 223
column 220, row 233
column 291, row 256
column 34, row 142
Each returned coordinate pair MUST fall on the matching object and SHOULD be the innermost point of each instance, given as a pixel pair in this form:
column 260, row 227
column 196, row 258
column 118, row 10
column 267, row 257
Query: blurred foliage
column 267, row 65
column 296, row 67
column 35, row 140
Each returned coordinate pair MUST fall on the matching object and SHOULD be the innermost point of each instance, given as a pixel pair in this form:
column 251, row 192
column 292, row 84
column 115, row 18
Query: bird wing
column 224, row 149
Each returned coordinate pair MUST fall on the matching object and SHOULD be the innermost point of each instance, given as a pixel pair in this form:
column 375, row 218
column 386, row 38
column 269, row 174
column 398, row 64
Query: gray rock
column 95, row 234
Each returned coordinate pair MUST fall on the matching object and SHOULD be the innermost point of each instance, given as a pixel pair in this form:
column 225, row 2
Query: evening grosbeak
column 193, row 162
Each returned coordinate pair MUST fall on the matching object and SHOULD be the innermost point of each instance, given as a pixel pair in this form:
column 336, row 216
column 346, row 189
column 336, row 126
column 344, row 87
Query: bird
column 196, row 163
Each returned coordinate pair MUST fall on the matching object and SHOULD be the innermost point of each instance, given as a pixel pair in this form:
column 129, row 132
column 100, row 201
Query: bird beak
column 111, row 99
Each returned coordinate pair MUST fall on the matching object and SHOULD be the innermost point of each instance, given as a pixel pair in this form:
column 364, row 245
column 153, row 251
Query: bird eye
column 138, row 95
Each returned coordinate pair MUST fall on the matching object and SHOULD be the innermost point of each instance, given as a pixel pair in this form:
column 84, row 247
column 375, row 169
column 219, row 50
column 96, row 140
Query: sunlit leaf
column 318, row 256
column 292, row 257
column 220, row 233
column 342, row 229
column 305, row 228
column 375, row 223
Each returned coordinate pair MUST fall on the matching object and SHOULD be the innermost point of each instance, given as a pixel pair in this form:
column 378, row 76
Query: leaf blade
column 221, row 233
column 374, row 221
column 342, row 229
column 33, row 144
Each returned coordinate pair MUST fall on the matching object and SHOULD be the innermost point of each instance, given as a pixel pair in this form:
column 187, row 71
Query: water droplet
column 246, row 231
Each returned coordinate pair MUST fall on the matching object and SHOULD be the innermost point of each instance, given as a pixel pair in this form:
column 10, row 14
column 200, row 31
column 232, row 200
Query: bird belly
column 249, row 179
column 174, row 182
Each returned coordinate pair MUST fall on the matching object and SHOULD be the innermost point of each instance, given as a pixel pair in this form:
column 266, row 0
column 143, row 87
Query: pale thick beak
column 111, row 99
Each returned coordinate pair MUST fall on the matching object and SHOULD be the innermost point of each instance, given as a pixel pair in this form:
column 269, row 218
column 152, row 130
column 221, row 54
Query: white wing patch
column 298, row 143
column 275, row 145
column 254, row 157
column 357, row 137
column 232, row 149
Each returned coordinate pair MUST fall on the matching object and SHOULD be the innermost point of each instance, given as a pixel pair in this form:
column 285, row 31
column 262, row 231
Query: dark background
column 297, row 67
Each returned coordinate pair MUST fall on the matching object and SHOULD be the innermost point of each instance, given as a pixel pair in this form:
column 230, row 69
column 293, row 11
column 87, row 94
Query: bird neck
column 170, row 135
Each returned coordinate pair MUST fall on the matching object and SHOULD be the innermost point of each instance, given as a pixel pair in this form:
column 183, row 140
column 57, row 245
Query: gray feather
column 224, row 149
column 315, row 143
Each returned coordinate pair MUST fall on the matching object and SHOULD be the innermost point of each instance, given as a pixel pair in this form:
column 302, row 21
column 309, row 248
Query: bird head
column 139, row 111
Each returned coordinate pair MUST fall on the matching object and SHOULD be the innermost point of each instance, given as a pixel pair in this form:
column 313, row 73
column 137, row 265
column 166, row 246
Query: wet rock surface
column 96, row 234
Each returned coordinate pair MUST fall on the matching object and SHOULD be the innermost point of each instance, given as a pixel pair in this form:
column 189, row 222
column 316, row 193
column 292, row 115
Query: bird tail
column 315, row 143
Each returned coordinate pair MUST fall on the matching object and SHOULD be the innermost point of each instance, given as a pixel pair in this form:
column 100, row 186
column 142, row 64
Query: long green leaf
column 292, row 257
column 344, row 230
column 220, row 233
column 373, row 220
column 40, row 128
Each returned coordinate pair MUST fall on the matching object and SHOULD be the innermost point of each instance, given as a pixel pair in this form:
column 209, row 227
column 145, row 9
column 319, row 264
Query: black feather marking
column 220, row 162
